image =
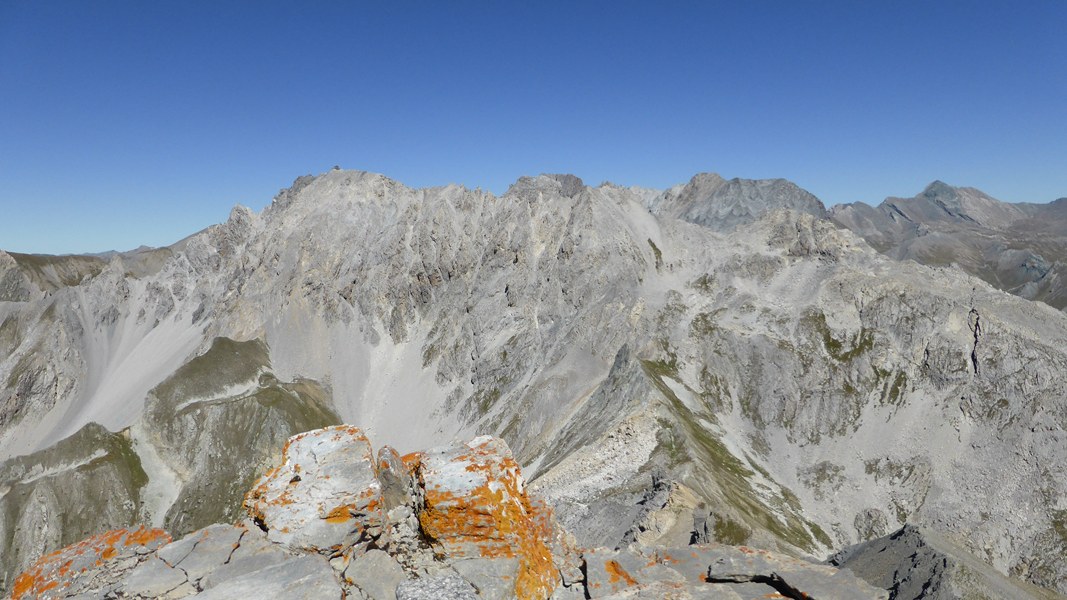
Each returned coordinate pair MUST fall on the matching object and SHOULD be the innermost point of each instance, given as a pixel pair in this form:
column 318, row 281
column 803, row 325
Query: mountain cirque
column 717, row 363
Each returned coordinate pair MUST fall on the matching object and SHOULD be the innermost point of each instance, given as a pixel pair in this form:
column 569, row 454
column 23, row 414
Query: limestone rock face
column 723, row 205
column 321, row 529
column 475, row 506
column 914, row 563
column 324, row 496
column 75, row 569
column 723, row 356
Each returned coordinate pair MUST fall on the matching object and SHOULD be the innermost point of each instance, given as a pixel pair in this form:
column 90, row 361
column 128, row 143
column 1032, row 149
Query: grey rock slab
column 153, row 578
column 376, row 573
column 493, row 578
column 176, row 551
column 609, row 572
column 742, row 565
column 447, row 587
column 253, row 554
column 307, row 577
column 213, row 548
column 659, row 590
column 917, row 562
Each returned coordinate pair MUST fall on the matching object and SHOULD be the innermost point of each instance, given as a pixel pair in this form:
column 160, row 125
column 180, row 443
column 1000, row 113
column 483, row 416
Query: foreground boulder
column 334, row 520
column 476, row 510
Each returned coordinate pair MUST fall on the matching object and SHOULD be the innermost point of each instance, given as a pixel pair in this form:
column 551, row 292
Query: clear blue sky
column 127, row 123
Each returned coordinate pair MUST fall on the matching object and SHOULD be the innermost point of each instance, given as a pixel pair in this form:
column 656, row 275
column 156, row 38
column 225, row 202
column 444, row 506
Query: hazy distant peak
column 563, row 184
column 706, row 179
column 722, row 204
column 571, row 185
column 939, row 189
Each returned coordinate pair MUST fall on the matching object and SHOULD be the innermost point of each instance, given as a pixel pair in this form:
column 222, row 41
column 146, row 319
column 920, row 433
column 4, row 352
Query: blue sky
column 128, row 123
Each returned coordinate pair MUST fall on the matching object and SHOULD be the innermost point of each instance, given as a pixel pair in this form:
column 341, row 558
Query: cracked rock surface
column 718, row 353
column 478, row 534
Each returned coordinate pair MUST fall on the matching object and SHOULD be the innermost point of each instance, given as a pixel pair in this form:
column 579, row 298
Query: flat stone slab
column 253, row 553
column 302, row 577
column 449, row 587
column 92, row 563
column 376, row 574
column 153, row 578
column 717, row 571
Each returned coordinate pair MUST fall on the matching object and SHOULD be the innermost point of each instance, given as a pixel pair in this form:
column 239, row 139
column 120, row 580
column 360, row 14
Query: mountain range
column 723, row 361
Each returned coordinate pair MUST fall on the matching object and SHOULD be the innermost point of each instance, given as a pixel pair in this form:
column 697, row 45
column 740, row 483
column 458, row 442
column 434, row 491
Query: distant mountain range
column 1019, row 248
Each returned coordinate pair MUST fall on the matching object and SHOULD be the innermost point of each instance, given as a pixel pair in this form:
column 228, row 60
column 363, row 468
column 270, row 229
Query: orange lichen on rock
column 476, row 505
column 340, row 514
column 53, row 573
column 412, row 461
column 616, row 573
column 325, row 489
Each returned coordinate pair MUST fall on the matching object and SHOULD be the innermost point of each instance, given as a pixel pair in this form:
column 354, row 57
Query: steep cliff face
column 779, row 382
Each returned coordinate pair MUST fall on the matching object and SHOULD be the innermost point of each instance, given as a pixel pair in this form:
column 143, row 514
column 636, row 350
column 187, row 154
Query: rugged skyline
column 127, row 123
column 719, row 353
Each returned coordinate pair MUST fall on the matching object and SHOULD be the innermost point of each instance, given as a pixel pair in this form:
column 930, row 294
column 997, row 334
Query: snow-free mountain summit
column 724, row 361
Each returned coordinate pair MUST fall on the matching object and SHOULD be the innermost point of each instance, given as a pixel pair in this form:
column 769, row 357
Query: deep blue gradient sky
column 127, row 123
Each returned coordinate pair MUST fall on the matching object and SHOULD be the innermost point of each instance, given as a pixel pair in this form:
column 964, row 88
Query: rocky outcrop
column 93, row 567
column 468, row 503
column 331, row 521
column 917, row 562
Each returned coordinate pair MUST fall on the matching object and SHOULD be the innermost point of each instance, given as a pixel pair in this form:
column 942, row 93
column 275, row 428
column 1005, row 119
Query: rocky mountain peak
column 565, row 185
column 938, row 189
column 762, row 379
column 722, row 205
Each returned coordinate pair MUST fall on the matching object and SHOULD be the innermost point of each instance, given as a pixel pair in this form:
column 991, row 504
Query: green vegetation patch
column 728, row 531
column 732, row 476
column 900, row 385
column 705, row 283
column 226, row 363
column 240, row 435
column 1059, row 524
column 843, row 351
column 703, row 325
column 53, row 272
column 657, row 253
column 93, row 477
